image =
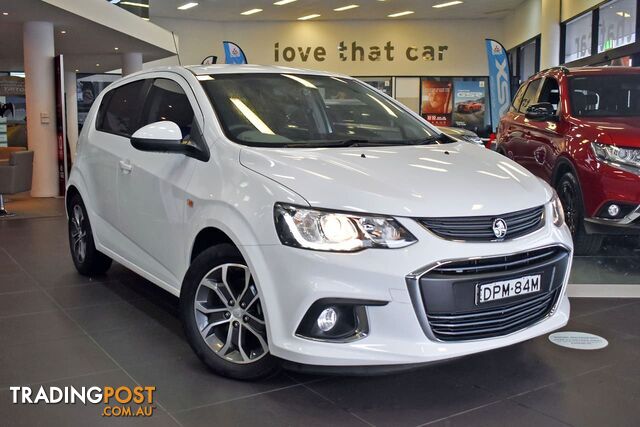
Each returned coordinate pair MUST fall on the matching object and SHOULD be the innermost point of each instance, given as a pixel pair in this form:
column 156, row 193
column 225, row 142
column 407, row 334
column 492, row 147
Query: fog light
column 327, row 319
column 613, row 210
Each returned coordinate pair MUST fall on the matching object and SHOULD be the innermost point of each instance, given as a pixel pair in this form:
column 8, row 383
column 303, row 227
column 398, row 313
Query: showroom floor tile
column 59, row 328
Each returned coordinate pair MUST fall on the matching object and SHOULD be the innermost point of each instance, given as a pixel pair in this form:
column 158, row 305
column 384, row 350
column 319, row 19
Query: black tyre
column 222, row 315
column 87, row 259
column 570, row 195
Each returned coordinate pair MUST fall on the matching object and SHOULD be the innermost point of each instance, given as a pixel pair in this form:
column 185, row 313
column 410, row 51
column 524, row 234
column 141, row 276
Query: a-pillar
column 39, row 52
column 549, row 34
column 131, row 63
column 71, row 102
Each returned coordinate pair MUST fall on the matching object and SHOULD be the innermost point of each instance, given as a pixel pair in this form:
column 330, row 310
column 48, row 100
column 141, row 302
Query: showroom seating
column 16, row 167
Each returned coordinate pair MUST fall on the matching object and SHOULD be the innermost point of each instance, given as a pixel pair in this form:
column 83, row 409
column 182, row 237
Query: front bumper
column 291, row 280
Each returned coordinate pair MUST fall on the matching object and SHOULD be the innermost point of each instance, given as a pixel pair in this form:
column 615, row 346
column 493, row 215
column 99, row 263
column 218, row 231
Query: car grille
column 491, row 323
column 445, row 296
column 480, row 228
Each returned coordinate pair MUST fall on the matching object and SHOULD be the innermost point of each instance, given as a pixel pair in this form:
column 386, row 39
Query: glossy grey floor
column 58, row 328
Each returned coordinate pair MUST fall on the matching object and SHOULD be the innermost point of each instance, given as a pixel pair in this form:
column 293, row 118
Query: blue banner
column 233, row 54
column 499, row 80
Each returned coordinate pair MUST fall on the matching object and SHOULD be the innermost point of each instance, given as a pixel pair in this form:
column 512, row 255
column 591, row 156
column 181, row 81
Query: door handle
column 125, row 166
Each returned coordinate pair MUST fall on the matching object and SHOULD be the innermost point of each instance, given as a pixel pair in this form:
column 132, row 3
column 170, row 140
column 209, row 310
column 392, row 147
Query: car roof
column 604, row 70
column 200, row 70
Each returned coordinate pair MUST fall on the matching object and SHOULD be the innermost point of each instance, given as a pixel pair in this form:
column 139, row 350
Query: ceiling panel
column 230, row 10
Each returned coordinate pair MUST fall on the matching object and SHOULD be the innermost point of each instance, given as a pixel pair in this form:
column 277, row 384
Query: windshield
column 306, row 110
column 605, row 95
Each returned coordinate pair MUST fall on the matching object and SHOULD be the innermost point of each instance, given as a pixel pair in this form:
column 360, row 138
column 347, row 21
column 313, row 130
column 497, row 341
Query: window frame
column 539, row 80
column 142, row 95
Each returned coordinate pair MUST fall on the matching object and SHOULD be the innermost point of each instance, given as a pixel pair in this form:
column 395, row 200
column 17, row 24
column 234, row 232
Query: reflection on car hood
column 456, row 179
column 622, row 131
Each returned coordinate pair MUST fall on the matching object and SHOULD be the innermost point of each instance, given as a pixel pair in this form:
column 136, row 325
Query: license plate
column 507, row 288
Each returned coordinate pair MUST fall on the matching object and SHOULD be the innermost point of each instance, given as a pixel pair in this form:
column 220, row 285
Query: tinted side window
column 167, row 101
column 518, row 98
column 120, row 109
column 529, row 97
column 550, row 92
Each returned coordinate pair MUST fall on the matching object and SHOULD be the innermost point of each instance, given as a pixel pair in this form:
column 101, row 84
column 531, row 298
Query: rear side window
column 166, row 100
column 529, row 97
column 518, row 98
column 550, row 93
column 120, row 109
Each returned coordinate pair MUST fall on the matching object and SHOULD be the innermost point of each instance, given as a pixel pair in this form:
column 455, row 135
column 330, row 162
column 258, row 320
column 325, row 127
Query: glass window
column 120, row 109
column 518, row 98
column 527, row 61
column 617, row 24
column 550, row 93
column 605, row 96
column 529, row 97
column 308, row 110
column 166, row 100
column 577, row 43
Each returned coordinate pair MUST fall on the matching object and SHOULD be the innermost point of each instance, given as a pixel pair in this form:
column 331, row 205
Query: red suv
column 579, row 130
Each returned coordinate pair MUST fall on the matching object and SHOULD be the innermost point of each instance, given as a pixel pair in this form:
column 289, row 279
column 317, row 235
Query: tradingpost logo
column 122, row 401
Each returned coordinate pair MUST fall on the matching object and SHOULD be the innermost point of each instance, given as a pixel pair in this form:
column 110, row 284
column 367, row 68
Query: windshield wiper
column 369, row 143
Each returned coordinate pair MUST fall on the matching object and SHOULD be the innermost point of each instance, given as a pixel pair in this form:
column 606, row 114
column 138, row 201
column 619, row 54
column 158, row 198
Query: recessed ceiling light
column 343, row 8
column 63, row 32
column 396, row 15
column 251, row 11
column 5, row 13
column 77, row 70
column 304, row 18
column 133, row 3
column 624, row 14
column 283, row 2
column 187, row 6
column 115, row 48
column 97, row 65
column 447, row 4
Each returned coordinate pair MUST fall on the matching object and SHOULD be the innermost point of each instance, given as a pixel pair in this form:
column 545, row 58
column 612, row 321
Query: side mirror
column 164, row 137
column 540, row 112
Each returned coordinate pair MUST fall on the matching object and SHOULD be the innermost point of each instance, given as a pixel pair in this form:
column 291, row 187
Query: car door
column 544, row 135
column 520, row 149
column 510, row 129
column 107, row 141
column 152, row 196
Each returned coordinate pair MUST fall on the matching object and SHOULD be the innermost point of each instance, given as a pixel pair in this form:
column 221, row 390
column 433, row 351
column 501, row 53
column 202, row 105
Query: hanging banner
column 498, row 80
column 61, row 125
column 233, row 54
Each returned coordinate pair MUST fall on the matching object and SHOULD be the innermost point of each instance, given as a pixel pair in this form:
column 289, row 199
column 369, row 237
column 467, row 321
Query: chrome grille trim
column 480, row 228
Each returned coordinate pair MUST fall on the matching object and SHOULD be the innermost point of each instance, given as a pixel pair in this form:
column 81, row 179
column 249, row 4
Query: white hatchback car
column 305, row 217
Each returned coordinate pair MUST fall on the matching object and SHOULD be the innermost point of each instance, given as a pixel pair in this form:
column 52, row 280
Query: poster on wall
column 469, row 104
column 437, row 101
column 88, row 87
column 13, row 112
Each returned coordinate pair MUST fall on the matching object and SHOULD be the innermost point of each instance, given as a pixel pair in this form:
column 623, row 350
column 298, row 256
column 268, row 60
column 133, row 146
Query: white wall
column 522, row 24
column 465, row 54
column 571, row 8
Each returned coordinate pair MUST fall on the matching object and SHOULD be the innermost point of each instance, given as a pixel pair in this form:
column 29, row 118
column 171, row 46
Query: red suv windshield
column 604, row 96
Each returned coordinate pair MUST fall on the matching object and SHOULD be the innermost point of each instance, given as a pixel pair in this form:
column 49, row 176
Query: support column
column 71, row 101
column 39, row 52
column 131, row 63
column 550, row 33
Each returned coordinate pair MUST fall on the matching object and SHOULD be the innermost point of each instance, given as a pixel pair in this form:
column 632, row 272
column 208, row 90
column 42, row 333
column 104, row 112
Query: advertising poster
column 13, row 112
column 469, row 104
column 437, row 101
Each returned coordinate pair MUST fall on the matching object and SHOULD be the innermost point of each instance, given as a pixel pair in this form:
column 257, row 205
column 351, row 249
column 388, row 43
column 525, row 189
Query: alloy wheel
column 78, row 234
column 567, row 197
column 229, row 315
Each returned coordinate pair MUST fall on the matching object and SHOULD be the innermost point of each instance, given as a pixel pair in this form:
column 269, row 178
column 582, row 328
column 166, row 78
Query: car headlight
column 617, row 155
column 557, row 212
column 337, row 232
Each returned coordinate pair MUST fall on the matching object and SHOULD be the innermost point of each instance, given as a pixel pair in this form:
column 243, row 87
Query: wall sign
column 357, row 52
